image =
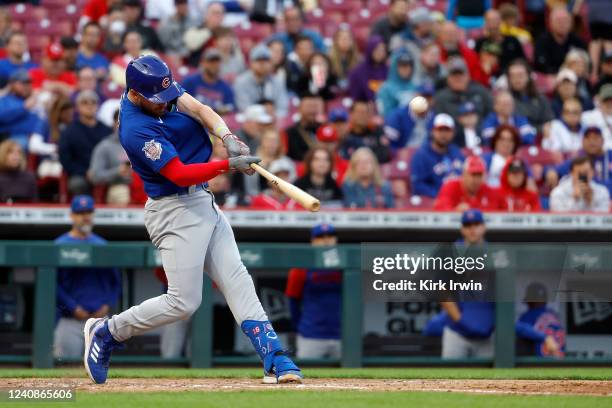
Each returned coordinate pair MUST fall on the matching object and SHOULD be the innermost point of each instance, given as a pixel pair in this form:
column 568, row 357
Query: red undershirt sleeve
column 185, row 175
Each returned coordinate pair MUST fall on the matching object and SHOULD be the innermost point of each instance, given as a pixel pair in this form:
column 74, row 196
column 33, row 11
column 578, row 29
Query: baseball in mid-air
column 418, row 105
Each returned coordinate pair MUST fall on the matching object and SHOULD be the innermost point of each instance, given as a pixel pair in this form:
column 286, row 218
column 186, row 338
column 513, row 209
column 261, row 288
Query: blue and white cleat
column 278, row 367
column 285, row 370
column 99, row 344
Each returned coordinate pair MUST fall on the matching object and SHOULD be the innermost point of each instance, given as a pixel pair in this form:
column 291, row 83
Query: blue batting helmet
column 150, row 76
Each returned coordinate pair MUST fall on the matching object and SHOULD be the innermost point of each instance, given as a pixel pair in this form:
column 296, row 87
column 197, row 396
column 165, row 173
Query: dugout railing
column 46, row 257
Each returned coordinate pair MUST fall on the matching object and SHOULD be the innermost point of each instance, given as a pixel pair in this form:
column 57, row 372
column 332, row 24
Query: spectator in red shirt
column 469, row 190
column 449, row 39
column 95, row 10
column 52, row 75
column 327, row 136
column 273, row 198
column 513, row 191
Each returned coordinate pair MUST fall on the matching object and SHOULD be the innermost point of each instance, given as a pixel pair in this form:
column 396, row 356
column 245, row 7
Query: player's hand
column 243, row 163
column 80, row 313
column 101, row 312
column 234, row 146
column 552, row 347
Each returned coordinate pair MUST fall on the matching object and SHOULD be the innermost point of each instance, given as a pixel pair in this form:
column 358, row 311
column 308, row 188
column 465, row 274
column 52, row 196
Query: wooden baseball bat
column 303, row 198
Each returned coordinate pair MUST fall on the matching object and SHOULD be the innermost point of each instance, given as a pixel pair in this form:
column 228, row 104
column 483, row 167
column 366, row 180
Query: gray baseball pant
column 454, row 345
column 193, row 236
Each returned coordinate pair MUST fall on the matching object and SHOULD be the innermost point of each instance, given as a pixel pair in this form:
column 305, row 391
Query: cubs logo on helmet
column 150, row 77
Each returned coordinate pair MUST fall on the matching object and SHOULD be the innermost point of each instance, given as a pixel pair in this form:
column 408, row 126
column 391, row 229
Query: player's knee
column 188, row 307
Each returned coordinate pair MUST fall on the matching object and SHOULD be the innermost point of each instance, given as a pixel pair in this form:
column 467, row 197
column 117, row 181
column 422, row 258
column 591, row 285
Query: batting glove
column 235, row 146
column 243, row 163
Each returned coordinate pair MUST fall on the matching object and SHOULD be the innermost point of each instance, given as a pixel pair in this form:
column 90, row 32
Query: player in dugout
column 314, row 299
column 466, row 327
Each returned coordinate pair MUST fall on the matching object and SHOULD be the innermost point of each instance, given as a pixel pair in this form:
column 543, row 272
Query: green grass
column 328, row 399
column 533, row 373
column 332, row 399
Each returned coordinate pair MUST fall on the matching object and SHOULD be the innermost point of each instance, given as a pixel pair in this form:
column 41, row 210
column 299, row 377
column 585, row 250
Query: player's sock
column 264, row 340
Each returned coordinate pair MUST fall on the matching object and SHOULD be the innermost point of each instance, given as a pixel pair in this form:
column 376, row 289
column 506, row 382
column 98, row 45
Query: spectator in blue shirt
column 404, row 128
column 78, row 140
column 437, row 159
column 469, row 14
column 17, row 118
column 88, row 55
column 539, row 328
column 82, row 292
column 16, row 48
column 207, row 86
column 294, row 27
column 504, row 113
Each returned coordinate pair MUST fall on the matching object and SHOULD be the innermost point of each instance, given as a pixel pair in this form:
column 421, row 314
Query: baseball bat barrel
column 303, row 198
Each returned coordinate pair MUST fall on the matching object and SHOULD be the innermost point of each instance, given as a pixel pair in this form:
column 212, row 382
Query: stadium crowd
column 519, row 116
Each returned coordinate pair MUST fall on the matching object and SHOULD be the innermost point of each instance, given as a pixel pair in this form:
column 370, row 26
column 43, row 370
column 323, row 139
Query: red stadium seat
column 54, row 3
column 361, row 36
column 254, row 31
column 528, row 49
column 538, row 159
column 67, row 13
column 416, row 203
column 535, row 155
column 64, row 195
column 99, row 193
column 342, row 6
column 111, row 90
column 22, row 12
column 363, row 18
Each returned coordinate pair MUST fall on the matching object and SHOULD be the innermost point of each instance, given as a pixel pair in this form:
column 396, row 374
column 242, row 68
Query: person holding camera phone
column 578, row 191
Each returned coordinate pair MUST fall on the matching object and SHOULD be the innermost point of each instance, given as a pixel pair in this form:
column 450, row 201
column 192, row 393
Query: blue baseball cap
column 338, row 115
column 466, row 108
column 322, row 229
column 82, row 204
column 472, row 216
column 426, row 89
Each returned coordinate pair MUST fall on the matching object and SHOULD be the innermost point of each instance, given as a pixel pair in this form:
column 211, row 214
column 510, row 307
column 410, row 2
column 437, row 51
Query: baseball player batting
column 165, row 132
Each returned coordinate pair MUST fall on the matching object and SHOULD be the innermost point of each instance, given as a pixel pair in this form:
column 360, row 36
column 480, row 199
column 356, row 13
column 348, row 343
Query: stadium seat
column 22, row 12
column 417, row 203
column 64, row 195
column 528, row 49
column 54, row 3
column 535, row 155
column 110, row 90
column 342, row 6
column 99, row 193
column 363, row 18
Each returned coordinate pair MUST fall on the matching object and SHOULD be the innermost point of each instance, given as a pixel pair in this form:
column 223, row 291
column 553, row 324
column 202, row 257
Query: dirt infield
column 520, row 387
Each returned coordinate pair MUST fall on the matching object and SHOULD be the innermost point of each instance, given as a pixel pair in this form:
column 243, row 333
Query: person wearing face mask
column 82, row 292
